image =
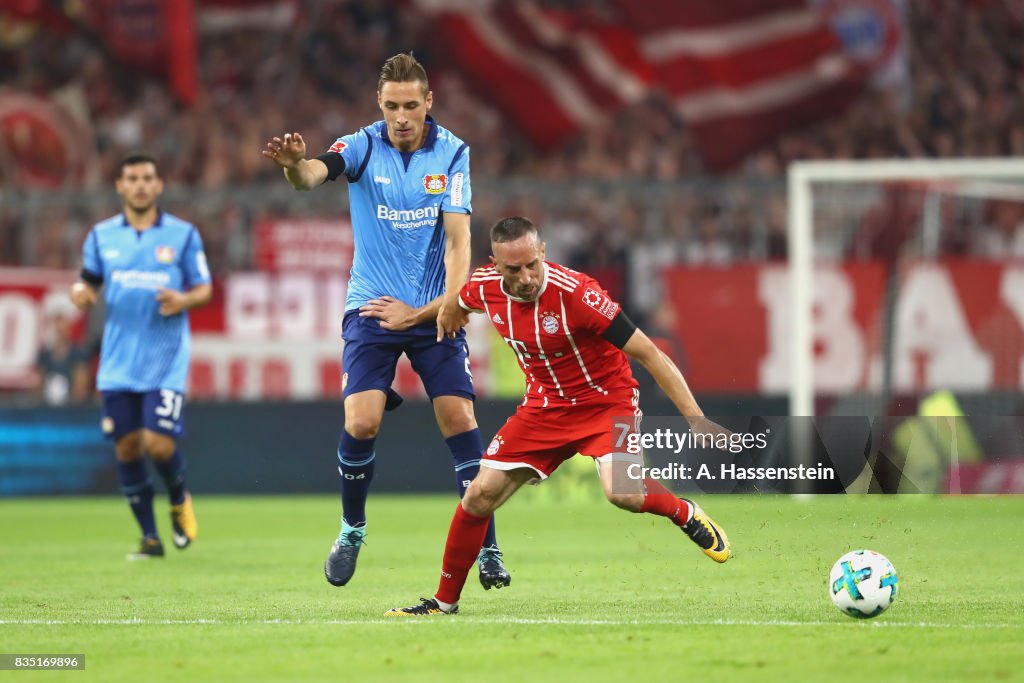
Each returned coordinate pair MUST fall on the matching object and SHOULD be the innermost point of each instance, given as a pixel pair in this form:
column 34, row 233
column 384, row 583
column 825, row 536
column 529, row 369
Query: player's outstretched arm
column 664, row 372
column 289, row 152
column 83, row 295
column 671, row 381
column 450, row 318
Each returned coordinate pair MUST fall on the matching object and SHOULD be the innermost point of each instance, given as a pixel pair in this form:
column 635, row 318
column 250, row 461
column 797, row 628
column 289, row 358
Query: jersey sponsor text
column 408, row 218
column 141, row 279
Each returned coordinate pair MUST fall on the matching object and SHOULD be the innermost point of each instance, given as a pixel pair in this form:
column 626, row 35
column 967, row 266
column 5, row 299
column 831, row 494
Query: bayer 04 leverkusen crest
column 435, row 183
column 165, row 254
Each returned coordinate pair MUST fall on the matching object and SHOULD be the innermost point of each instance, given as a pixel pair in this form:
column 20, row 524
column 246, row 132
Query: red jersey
column 556, row 338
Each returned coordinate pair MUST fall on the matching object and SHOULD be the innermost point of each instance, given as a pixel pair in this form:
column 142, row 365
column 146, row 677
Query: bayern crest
column 495, row 445
column 550, row 324
column 435, row 183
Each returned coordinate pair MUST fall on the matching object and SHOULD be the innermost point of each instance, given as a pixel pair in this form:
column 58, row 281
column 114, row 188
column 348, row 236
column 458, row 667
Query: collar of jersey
column 158, row 223
column 543, row 286
column 382, row 132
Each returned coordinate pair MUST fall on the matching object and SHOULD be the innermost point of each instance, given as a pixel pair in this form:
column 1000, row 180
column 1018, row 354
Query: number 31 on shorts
column 170, row 404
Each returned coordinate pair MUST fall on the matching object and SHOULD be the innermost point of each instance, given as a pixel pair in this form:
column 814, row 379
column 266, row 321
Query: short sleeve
column 459, row 196
column 91, row 261
column 469, row 295
column 593, row 307
column 352, row 149
column 193, row 264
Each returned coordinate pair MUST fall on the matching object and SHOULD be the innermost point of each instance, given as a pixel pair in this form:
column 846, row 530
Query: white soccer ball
column 863, row 583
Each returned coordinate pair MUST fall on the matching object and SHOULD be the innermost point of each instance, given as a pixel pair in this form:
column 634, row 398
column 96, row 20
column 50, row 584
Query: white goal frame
column 801, row 236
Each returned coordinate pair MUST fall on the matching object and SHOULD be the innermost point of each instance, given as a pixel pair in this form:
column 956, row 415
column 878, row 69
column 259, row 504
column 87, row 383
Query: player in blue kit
column 152, row 268
column 410, row 201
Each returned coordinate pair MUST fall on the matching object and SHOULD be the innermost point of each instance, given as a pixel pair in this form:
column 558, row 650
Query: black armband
column 91, row 277
column 620, row 331
column 334, row 163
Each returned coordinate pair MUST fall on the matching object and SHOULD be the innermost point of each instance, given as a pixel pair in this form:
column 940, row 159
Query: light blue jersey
column 396, row 201
column 143, row 350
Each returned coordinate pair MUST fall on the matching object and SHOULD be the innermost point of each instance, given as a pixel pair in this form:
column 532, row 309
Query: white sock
column 693, row 511
column 446, row 607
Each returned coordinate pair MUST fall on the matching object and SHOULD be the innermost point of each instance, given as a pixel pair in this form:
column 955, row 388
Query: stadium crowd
column 653, row 204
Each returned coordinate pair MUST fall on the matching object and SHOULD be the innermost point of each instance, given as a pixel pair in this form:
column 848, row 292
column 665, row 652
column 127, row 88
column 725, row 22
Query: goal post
column 968, row 180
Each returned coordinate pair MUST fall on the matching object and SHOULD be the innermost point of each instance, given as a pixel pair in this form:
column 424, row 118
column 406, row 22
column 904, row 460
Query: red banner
column 957, row 325
column 1001, row 476
column 27, row 295
column 305, row 244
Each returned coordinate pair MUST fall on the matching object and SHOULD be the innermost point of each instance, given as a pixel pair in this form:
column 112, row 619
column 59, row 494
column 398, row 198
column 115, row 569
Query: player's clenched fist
column 82, row 295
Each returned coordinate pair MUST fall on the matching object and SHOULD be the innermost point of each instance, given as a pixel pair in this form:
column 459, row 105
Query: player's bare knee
column 479, row 507
column 480, row 500
column 362, row 426
column 454, row 415
column 457, row 425
column 158, row 446
column 626, row 501
column 129, row 447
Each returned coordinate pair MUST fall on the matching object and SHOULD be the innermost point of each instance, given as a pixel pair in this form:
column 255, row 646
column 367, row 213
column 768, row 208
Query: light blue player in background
column 152, row 268
column 410, row 202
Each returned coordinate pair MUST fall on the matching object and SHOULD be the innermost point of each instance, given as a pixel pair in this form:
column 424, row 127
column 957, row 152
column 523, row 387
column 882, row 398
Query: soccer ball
column 863, row 583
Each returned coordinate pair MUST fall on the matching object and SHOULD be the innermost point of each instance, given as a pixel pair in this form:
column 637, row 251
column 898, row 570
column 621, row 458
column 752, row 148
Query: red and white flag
column 222, row 16
column 153, row 35
column 738, row 72
column 875, row 34
column 552, row 72
column 741, row 72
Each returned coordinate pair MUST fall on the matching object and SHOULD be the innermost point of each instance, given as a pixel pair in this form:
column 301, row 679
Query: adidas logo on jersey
column 497, row 319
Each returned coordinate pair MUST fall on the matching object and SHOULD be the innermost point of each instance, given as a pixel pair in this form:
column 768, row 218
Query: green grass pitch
column 597, row 594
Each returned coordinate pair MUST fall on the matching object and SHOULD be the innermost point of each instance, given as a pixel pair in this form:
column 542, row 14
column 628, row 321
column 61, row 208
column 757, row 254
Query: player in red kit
column 572, row 341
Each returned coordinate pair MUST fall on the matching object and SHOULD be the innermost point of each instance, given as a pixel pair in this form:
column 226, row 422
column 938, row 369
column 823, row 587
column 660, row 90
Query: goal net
column 906, row 281
column 905, row 297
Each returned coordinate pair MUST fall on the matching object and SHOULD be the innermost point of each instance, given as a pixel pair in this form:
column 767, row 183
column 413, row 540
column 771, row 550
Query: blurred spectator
column 710, row 246
column 1003, row 235
column 966, row 98
column 601, row 258
column 62, row 368
column 660, row 325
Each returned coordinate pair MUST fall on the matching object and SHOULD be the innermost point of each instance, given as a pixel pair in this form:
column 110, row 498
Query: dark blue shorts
column 371, row 354
column 161, row 411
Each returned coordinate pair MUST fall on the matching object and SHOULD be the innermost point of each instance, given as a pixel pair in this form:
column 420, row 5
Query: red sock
column 465, row 536
column 660, row 501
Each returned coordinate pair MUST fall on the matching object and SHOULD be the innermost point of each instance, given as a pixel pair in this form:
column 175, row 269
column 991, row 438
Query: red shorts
column 543, row 438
